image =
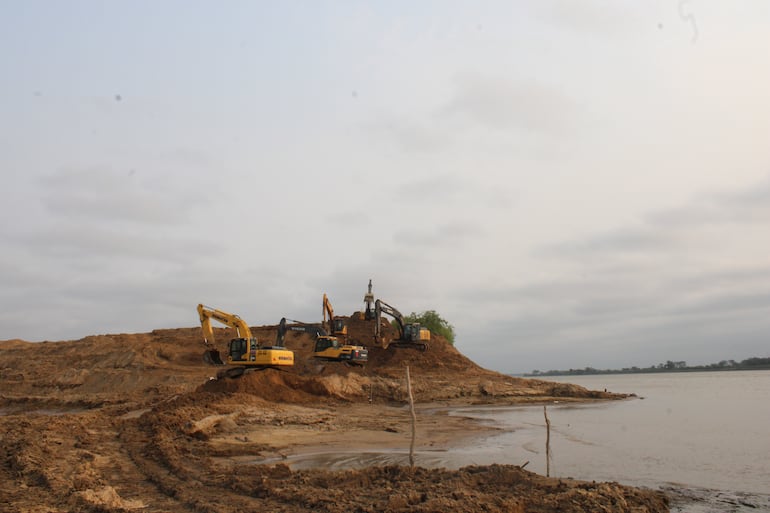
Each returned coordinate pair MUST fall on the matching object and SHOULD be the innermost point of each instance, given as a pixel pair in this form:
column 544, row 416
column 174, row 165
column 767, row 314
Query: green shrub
column 434, row 322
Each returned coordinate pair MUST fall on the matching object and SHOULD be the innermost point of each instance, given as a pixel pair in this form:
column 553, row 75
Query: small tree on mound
column 434, row 322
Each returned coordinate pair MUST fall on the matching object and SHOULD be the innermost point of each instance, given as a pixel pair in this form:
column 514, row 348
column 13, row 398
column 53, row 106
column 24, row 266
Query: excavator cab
column 330, row 348
column 324, row 343
column 340, row 328
column 415, row 333
column 238, row 347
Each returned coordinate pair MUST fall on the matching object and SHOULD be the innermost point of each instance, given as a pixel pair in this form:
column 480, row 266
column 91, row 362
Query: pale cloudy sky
column 568, row 183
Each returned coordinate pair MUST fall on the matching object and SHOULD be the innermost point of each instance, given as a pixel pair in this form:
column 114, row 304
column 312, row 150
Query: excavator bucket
column 211, row 356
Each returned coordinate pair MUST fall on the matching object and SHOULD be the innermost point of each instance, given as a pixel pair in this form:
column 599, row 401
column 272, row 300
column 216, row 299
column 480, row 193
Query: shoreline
column 567, row 374
column 376, row 427
column 440, row 430
column 441, row 426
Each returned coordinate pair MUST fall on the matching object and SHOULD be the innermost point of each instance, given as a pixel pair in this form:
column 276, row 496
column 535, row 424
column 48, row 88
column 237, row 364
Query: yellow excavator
column 334, row 325
column 411, row 335
column 244, row 351
column 327, row 347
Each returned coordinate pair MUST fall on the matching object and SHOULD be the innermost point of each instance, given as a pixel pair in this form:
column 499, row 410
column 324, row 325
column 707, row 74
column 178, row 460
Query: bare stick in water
column 414, row 416
column 547, row 443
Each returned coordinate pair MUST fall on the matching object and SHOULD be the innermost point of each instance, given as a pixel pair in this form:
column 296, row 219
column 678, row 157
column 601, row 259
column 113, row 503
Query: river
column 705, row 429
column 686, row 431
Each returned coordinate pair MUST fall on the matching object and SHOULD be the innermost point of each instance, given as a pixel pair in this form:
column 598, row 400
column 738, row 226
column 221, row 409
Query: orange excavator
column 333, row 325
column 411, row 335
column 243, row 351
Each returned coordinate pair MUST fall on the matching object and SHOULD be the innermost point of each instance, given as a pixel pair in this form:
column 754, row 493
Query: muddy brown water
column 705, row 437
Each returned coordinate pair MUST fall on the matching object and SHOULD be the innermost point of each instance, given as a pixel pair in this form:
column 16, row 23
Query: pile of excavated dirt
column 137, row 422
column 441, row 373
column 285, row 387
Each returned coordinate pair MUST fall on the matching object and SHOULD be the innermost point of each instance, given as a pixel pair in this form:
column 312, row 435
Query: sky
column 569, row 184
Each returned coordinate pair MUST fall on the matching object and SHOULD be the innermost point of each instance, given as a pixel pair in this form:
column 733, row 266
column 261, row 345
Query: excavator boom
column 334, row 325
column 327, row 311
column 207, row 313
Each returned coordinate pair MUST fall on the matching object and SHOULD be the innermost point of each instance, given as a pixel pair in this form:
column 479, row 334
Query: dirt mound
column 495, row 488
column 149, row 367
column 285, row 387
column 361, row 331
column 440, row 357
column 103, row 368
column 13, row 343
column 105, row 498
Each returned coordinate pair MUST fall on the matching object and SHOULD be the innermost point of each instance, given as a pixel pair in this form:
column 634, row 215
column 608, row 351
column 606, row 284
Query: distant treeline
column 669, row 366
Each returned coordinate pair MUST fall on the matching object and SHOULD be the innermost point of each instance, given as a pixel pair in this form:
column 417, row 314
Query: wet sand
column 447, row 437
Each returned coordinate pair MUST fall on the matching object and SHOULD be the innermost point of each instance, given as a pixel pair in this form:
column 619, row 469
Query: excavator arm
column 303, row 327
column 207, row 313
column 327, row 311
column 381, row 307
column 410, row 335
column 334, row 325
column 281, row 334
column 208, row 331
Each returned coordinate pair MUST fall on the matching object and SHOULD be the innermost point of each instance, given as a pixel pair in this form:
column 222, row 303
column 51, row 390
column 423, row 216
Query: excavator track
column 237, row 372
column 420, row 346
column 231, row 373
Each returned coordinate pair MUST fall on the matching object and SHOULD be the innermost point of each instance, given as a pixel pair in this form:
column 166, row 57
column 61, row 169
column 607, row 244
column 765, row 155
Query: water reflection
column 691, row 429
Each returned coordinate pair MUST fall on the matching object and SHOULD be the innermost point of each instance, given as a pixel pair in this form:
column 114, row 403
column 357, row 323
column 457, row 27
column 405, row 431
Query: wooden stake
column 547, row 443
column 414, row 416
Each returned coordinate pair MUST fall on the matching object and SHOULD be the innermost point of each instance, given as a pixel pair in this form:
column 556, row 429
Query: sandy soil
column 137, row 422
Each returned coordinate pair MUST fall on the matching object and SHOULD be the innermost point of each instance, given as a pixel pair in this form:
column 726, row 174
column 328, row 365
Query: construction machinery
column 327, row 347
column 411, row 335
column 333, row 325
column 369, row 313
column 243, row 351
